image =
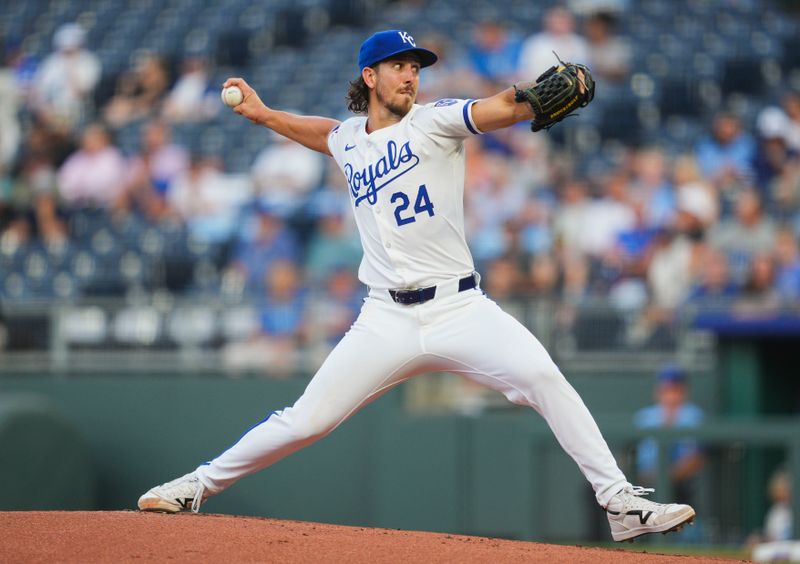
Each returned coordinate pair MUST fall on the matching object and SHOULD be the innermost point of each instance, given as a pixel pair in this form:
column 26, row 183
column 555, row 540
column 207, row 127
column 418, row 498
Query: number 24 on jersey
column 422, row 203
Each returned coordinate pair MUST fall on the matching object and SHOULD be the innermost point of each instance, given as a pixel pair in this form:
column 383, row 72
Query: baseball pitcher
column 404, row 165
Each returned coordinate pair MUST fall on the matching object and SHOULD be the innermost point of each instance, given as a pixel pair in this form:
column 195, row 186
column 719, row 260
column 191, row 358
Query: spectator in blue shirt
column 494, row 53
column 264, row 240
column 672, row 409
column 787, row 258
column 715, row 287
column 282, row 318
column 726, row 155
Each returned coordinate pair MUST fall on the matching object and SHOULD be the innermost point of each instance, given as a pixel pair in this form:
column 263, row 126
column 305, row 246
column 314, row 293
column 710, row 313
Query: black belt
column 421, row 295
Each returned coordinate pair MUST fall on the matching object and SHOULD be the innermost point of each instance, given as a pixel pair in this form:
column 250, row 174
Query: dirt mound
column 128, row 536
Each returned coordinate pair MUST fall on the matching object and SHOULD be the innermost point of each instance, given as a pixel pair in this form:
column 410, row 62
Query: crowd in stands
column 649, row 229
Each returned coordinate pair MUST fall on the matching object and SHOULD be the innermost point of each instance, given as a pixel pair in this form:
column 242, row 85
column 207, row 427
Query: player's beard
column 399, row 108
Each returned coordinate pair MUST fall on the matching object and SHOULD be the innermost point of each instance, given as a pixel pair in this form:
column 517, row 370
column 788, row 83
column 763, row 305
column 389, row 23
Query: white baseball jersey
column 407, row 188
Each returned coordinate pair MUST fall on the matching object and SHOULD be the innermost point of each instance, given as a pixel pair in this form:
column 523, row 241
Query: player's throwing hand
column 251, row 107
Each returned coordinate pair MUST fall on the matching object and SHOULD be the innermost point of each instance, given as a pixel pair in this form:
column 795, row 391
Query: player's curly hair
column 358, row 96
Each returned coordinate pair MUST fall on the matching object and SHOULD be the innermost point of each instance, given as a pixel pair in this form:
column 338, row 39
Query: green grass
column 711, row 551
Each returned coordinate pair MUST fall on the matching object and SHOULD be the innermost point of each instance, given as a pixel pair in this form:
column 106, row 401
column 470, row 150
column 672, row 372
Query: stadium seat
column 743, row 76
column 679, row 96
column 137, row 326
column 82, row 326
column 192, row 326
column 790, row 60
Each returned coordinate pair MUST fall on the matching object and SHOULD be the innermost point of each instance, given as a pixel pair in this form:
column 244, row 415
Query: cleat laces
column 198, row 497
column 638, row 501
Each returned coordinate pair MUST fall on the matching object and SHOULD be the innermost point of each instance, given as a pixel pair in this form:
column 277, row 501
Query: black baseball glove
column 557, row 92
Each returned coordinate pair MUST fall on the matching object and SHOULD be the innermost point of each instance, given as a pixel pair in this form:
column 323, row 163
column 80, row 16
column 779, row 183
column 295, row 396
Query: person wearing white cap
column 65, row 81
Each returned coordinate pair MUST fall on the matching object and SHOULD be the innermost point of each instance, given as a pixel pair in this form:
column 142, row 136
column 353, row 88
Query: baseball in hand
column 232, row 96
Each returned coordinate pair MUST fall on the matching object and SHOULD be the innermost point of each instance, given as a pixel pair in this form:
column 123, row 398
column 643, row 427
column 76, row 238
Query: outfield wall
column 496, row 474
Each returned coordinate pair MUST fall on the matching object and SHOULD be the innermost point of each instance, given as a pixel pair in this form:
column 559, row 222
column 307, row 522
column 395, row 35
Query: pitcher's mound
column 128, row 536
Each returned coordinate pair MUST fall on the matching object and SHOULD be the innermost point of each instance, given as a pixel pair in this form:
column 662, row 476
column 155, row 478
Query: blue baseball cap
column 385, row 44
column 671, row 374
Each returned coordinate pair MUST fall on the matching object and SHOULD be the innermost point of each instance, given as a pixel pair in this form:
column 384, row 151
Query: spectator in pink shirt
column 95, row 174
column 152, row 172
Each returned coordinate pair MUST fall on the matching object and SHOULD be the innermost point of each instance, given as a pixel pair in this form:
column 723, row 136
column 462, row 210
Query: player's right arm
column 310, row 131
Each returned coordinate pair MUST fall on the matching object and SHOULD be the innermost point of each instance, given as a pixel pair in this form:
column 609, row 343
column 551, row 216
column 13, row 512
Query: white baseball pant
column 465, row 333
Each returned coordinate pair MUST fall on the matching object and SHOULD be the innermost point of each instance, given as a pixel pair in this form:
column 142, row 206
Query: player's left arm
column 555, row 93
column 500, row 110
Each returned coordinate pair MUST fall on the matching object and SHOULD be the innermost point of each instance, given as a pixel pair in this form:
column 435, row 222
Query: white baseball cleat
column 186, row 492
column 631, row 516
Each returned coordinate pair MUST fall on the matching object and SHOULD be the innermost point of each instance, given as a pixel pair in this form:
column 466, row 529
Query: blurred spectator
column 750, row 232
column 785, row 192
column 607, row 217
column 779, row 518
column 193, row 98
column 570, row 214
column 669, row 272
column 23, row 65
column 650, row 189
column 93, row 176
column 726, row 155
column 533, row 160
column 672, row 409
column 9, row 142
column 777, row 162
column 282, row 314
column 675, row 261
column 65, row 80
column 10, row 130
column 334, row 245
column 503, row 279
column 574, row 289
column 543, row 276
column 783, row 121
column 208, row 200
column 492, row 51
column 576, row 279
column 334, row 310
column 265, row 240
column 273, row 349
column 759, row 294
column 491, row 200
column 285, row 172
column 493, row 54
column 37, row 187
column 533, row 228
column 609, row 54
column 139, row 92
column 773, row 162
column 787, row 265
column 558, row 35
column 152, row 172
column 714, row 287
column 451, row 76
column 774, row 542
column 693, row 193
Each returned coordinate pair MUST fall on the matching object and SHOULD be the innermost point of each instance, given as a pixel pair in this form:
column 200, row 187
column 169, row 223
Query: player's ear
column 370, row 76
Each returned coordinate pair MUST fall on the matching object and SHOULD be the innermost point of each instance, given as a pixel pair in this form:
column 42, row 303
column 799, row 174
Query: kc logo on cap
column 406, row 38
column 385, row 44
